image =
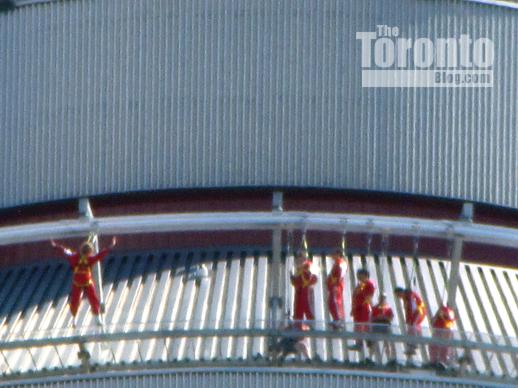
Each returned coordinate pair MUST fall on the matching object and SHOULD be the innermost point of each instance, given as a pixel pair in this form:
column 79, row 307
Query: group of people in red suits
column 366, row 316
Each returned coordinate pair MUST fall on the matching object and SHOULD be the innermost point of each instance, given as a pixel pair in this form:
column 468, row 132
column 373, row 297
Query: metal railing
column 461, row 343
column 164, row 331
column 186, row 222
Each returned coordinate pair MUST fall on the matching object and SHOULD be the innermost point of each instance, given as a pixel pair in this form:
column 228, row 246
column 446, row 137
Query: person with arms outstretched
column 81, row 263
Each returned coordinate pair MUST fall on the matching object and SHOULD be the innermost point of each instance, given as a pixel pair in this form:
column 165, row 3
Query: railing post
column 139, row 352
column 275, row 297
column 84, row 357
column 59, row 356
column 85, row 211
column 32, row 358
column 456, row 256
column 6, row 362
column 166, row 350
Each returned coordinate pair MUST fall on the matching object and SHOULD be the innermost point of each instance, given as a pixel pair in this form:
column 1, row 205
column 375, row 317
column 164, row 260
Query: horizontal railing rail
column 136, row 336
column 126, row 332
column 217, row 221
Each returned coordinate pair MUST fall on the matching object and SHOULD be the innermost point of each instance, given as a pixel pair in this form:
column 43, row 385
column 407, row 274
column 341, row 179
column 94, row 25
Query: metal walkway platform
column 155, row 291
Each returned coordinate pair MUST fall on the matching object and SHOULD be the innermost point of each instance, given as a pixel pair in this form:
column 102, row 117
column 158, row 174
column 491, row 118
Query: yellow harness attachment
column 83, row 267
column 306, row 281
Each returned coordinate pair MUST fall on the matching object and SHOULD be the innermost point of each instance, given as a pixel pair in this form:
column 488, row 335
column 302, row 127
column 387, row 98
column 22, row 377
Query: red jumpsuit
column 442, row 324
column 382, row 314
column 303, row 280
column 82, row 278
column 361, row 304
column 415, row 311
column 381, row 318
column 335, row 288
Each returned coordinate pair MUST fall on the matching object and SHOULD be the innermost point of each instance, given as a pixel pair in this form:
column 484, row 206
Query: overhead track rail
column 225, row 221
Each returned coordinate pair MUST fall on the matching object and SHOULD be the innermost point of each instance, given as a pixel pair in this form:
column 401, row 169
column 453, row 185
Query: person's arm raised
column 62, row 249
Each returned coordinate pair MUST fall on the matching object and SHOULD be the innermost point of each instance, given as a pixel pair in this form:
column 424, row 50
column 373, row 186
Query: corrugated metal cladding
column 109, row 96
column 247, row 377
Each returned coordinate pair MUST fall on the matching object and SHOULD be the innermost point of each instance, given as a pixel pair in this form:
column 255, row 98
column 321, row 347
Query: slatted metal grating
column 146, row 291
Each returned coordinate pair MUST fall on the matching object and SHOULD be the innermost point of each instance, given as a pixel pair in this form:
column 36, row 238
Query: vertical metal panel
column 260, row 303
column 259, row 377
column 115, row 96
column 319, row 310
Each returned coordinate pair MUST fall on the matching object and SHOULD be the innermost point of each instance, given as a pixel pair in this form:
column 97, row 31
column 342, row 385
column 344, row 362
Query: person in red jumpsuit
column 361, row 304
column 415, row 311
column 335, row 289
column 381, row 319
column 442, row 325
column 81, row 263
column 303, row 281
